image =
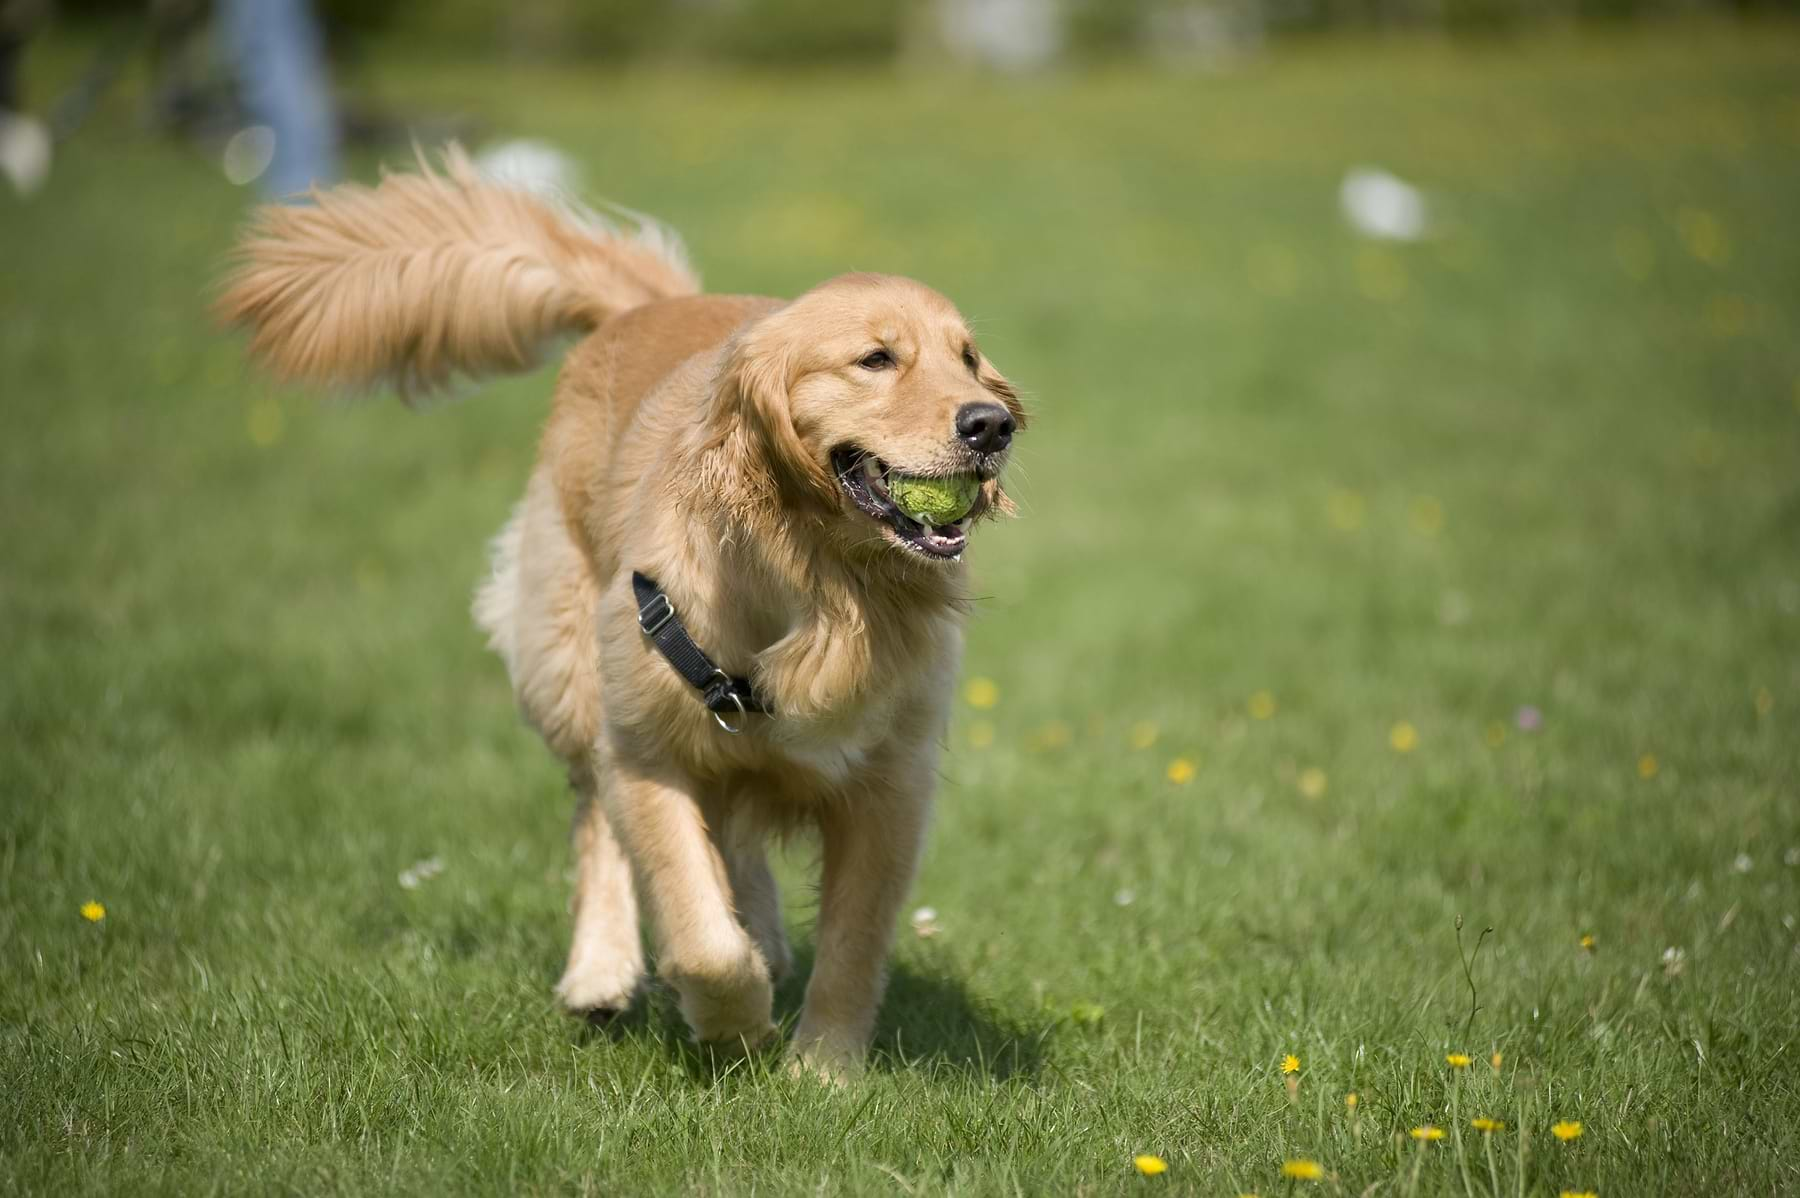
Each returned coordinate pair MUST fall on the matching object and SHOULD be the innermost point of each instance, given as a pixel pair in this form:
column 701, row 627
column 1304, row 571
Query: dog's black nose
column 985, row 427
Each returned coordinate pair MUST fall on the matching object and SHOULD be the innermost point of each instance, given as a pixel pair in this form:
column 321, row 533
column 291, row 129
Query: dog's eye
column 879, row 360
column 969, row 359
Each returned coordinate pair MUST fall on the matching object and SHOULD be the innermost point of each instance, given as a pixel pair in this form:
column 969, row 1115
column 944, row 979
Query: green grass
column 241, row 692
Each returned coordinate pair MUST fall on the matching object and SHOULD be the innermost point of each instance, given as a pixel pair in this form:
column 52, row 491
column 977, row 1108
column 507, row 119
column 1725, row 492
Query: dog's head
column 864, row 377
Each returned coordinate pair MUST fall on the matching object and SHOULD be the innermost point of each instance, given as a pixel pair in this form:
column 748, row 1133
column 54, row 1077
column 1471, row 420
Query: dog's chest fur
column 835, row 749
column 845, row 688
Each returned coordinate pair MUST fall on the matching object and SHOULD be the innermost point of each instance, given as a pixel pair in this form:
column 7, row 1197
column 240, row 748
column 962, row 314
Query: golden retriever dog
column 732, row 453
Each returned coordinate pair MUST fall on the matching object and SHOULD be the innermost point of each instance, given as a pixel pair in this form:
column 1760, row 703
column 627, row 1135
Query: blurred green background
column 1362, row 583
column 804, row 32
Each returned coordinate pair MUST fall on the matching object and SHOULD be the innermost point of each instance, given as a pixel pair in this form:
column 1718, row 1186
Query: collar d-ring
column 719, row 718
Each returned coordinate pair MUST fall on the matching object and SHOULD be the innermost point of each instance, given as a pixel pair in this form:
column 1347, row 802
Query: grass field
column 1359, row 588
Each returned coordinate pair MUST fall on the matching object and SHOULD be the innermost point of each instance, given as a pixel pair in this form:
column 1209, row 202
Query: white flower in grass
column 420, row 872
column 1381, row 205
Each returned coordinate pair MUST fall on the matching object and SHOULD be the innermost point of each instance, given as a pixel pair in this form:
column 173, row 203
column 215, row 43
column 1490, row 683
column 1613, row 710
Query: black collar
column 723, row 695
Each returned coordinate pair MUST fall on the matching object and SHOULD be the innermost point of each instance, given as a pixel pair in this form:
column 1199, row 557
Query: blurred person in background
column 278, row 53
column 24, row 140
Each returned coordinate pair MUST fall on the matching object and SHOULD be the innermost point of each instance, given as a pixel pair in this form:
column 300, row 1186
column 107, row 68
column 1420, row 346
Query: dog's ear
column 751, row 403
column 994, row 499
column 1000, row 389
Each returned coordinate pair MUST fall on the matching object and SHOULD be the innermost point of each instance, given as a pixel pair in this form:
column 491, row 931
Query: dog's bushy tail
column 434, row 275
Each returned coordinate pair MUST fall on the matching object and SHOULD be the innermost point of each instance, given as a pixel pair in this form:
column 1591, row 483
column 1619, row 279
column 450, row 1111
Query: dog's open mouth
column 864, row 479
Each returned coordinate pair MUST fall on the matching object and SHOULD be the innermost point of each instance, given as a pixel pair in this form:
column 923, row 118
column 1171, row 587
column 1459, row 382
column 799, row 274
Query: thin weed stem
column 1456, row 1126
column 1468, row 964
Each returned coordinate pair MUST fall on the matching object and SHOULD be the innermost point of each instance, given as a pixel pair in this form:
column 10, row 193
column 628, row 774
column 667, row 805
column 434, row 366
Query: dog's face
column 868, row 377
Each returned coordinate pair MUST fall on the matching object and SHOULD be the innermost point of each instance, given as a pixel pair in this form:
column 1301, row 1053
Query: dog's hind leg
column 754, row 893
column 606, row 955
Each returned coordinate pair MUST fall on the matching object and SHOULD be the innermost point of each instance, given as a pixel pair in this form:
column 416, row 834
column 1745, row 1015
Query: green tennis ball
column 934, row 500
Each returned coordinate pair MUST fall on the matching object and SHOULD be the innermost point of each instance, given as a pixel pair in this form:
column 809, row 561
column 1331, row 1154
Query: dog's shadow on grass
column 929, row 1021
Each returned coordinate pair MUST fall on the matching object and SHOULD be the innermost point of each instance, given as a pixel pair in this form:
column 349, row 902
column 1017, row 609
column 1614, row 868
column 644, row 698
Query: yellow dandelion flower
column 93, row 912
column 1648, row 766
column 1566, row 1130
column 1143, row 734
column 982, row 693
column 1578, row 1194
column 981, row 734
column 1313, row 782
column 1149, row 1165
column 1290, row 1063
column 1485, row 1124
column 1261, row 706
column 1344, row 509
column 1426, row 514
column 1181, row 771
column 1350, row 1100
column 1053, row 735
column 1403, row 737
column 1458, row 1060
column 1302, row 1170
column 1588, row 942
column 1380, row 274
column 1704, row 236
column 1427, row 1133
column 1496, row 1061
column 264, row 422
column 1728, row 316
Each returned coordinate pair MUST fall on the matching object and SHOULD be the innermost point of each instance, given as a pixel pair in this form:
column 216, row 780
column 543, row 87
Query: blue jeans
column 280, row 59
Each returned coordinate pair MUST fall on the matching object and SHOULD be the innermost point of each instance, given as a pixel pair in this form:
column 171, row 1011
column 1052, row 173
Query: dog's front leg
column 871, row 850
column 702, row 950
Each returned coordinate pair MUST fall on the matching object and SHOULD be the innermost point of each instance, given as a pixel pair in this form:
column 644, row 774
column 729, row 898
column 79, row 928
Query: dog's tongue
column 944, row 536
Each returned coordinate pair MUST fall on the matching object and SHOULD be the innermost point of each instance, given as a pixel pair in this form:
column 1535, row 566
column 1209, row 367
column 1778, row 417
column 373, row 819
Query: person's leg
column 25, row 143
column 280, row 60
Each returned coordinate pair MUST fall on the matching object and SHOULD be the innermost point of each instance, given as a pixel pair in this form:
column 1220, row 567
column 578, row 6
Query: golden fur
column 691, row 438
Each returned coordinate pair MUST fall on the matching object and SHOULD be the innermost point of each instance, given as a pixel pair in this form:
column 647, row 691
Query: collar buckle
column 729, row 700
column 656, row 613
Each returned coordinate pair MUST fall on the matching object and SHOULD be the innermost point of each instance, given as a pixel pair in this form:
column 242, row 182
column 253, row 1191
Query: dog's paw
column 598, row 989
column 729, row 1003
column 738, row 1016
column 837, row 1066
